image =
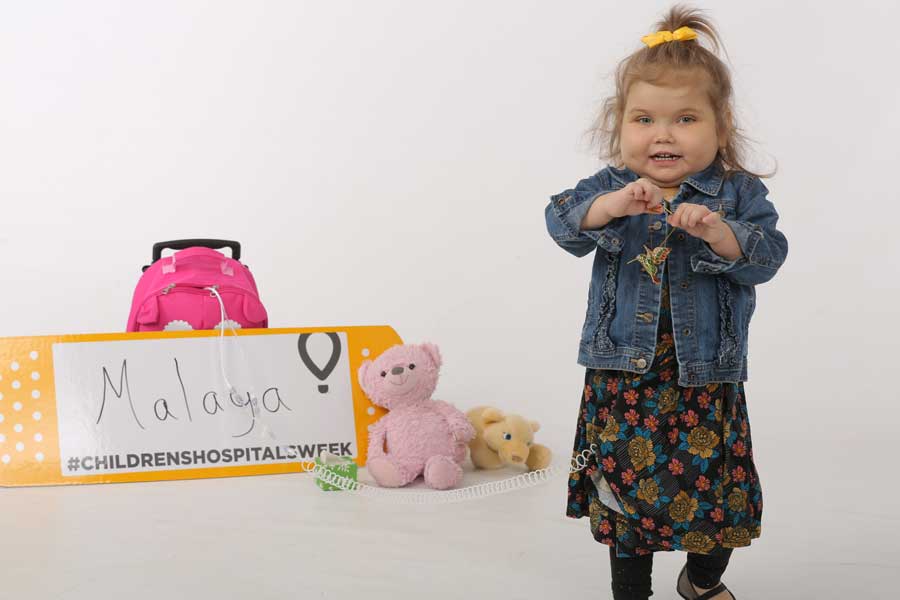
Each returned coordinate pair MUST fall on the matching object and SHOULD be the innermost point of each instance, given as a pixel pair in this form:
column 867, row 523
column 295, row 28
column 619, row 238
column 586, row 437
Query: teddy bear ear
column 492, row 415
column 535, row 426
column 361, row 375
column 433, row 353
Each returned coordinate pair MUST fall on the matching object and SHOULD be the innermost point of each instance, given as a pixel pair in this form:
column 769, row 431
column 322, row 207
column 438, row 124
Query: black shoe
column 685, row 588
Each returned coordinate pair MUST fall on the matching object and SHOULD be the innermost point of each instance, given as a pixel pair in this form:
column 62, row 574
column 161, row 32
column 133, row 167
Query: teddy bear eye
column 507, row 436
column 412, row 366
column 384, row 373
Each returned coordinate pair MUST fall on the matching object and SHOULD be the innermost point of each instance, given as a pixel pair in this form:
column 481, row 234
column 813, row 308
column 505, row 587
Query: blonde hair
column 659, row 64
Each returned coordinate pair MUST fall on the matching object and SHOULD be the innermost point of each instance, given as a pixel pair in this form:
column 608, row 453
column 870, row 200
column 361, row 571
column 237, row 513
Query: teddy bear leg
column 391, row 473
column 442, row 472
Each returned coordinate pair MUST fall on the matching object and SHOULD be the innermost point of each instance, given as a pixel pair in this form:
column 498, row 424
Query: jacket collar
column 707, row 181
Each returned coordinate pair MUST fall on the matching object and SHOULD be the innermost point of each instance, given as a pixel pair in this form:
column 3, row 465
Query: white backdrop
column 389, row 163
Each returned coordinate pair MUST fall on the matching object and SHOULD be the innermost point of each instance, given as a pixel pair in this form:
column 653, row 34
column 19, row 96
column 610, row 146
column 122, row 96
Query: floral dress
column 676, row 461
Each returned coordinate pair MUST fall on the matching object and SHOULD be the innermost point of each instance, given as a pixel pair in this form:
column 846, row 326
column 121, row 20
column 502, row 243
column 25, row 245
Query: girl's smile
column 665, row 160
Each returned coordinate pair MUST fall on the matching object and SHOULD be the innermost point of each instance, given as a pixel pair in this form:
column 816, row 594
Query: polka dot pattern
column 27, row 414
column 371, row 410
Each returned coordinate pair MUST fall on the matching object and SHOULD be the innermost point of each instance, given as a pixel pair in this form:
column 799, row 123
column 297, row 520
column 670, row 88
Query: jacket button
column 684, row 285
column 563, row 200
column 680, row 236
column 615, row 241
column 640, row 363
column 656, row 226
column 686, row 331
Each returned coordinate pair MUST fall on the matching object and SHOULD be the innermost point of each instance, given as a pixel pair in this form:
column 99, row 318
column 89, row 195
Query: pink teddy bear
column 419, row 435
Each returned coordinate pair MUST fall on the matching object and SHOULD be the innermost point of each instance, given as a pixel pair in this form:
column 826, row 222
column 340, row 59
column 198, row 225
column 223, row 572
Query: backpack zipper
column 197, row 288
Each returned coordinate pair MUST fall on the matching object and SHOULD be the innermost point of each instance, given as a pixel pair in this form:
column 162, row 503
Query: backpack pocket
column 186, row 307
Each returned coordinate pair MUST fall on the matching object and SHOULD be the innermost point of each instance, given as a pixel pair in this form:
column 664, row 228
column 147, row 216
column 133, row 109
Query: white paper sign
column 163, row 404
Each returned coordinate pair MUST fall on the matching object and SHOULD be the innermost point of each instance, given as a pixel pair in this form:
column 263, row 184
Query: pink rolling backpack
column 193, row 287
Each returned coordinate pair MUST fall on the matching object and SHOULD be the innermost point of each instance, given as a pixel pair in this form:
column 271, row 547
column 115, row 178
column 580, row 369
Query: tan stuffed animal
column 502, row 440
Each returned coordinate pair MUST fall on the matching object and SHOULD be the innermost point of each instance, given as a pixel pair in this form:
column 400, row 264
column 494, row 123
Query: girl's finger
column 683, row 216
column 675, row 218
column 697, row 215
column 711, row 219
column 692, row 216
column 648, row 188
column 655, row 199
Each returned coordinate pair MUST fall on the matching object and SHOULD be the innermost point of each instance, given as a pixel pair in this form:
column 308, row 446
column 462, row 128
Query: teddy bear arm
column 466, row 432
column 377, row 436
column 538, row 457
column 456, row 420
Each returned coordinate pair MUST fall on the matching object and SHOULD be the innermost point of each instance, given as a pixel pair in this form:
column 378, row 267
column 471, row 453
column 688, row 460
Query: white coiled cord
column 472, row 492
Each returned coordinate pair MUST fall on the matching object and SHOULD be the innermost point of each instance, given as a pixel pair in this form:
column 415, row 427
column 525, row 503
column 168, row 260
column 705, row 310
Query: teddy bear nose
column 397, row 371
column 517, row 459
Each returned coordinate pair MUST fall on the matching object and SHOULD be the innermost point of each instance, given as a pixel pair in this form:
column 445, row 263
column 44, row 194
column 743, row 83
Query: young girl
column 682, row 233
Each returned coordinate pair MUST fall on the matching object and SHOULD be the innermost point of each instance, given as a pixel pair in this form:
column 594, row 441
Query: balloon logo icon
column 320, row 373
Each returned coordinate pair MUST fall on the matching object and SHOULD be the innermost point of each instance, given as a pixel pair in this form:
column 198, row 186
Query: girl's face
column 669, row 131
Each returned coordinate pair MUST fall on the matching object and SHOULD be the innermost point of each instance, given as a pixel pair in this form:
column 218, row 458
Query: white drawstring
column 251, row 399
column 231, row 389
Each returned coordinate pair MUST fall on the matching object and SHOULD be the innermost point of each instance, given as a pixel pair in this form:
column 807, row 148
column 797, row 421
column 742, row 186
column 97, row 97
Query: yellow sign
column 182, row 405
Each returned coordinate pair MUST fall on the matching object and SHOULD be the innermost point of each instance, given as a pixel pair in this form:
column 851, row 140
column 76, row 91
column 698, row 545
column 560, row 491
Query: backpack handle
column 204, row 243
column 182, row 244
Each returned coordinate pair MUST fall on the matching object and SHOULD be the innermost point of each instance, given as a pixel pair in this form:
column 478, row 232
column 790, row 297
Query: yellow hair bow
column 682, row 34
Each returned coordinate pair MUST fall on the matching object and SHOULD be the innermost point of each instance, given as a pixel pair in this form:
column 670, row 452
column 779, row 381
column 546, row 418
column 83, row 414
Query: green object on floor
column 339, row 465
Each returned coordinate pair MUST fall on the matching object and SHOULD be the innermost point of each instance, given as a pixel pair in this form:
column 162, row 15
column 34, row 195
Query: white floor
column 281, row 537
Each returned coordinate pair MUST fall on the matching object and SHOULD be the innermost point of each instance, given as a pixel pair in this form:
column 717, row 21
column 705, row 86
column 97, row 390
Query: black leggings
column 631, row 576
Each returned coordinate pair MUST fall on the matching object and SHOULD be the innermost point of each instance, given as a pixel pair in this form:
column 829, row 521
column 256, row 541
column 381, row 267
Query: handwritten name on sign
column 177, row 397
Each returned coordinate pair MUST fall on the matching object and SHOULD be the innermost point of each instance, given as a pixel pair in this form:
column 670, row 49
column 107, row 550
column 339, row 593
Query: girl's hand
column 699, row 222
column 636, row 198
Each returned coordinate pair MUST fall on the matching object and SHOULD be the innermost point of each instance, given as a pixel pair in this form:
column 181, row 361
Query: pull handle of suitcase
column 190, row 243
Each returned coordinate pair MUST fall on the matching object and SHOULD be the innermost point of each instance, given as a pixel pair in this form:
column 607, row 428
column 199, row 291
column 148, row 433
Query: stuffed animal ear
column 433, row 353
column 492, row 415
column 535, row 426
column 361, row 375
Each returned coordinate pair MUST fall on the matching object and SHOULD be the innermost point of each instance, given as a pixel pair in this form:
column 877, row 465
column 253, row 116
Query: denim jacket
column 712, row 299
